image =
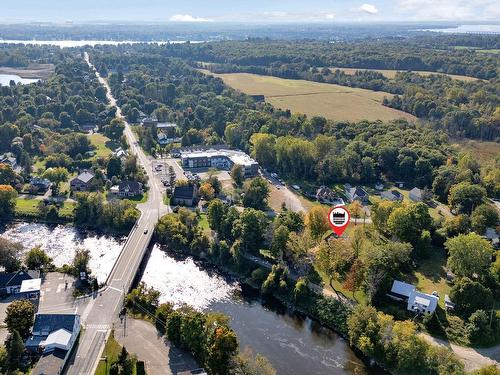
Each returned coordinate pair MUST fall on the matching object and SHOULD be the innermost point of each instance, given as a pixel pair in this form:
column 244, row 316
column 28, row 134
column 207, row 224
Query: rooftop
column 32, row 285
column 85, row 176
column 237, row 157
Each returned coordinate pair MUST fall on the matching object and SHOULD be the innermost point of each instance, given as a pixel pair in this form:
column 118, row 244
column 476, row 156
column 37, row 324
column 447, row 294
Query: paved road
column 102, row 311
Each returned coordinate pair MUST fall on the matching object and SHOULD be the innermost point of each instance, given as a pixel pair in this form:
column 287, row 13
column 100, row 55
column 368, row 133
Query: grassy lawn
column 27, row 206
column 138, row 198
column 103, row 145
column 430, row 274
column 203, row 223
column 111, row 352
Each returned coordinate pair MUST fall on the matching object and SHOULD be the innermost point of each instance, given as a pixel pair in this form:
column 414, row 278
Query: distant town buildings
column 220, row 159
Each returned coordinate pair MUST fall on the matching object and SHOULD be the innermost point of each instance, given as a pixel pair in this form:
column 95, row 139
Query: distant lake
column 6, row 78
column 473, row 29
column 92, row 43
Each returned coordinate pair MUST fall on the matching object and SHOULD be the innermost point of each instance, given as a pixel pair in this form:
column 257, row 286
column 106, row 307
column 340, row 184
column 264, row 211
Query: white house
column 422, row 302
column 416, row 194
column 417, row 301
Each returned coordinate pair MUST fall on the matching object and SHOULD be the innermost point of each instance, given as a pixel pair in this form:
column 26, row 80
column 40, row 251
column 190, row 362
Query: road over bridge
column 104, row 309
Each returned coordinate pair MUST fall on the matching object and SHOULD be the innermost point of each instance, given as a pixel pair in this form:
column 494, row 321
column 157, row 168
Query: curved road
column 102, row 311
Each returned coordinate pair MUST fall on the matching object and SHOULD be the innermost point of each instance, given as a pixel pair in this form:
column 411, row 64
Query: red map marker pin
column 339, row 218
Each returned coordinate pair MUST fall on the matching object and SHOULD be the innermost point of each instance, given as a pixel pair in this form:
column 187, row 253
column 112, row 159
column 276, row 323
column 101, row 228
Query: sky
column 246, row 11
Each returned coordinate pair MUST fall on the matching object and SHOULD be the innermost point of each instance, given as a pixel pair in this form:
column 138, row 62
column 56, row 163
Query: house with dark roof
column 185, row 195
column 53, row 337
column 39, row 184
column 82, row 181
column 356, row 193
column 10, row 282
column 127, row 189
column 392, row 195
column 9, row 159
column 326, row 195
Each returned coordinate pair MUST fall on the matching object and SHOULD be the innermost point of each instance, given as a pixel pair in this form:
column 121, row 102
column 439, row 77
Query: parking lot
column 56, row 296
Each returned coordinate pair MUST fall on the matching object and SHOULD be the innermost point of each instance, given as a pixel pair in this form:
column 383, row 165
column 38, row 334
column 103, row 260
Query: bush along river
column 294, row 344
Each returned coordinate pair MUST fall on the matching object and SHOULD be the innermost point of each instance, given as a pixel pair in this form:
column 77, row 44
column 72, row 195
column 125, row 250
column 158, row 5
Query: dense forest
column 210, row 113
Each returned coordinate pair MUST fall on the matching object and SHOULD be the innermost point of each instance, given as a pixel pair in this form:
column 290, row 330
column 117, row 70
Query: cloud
column 450, row 9
column 330, row 16
column 188, row 18
column 369, row 8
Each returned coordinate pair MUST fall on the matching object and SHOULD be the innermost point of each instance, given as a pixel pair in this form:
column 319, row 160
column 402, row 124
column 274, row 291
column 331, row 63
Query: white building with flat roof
column 220, row 159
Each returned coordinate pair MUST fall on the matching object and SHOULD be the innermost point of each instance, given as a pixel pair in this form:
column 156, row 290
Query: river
column 6, row 78
column 61, row 241
column 293, row 344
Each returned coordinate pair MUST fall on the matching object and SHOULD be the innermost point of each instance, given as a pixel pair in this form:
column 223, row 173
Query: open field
column 336, row 102
column 482, row 150
column 42, row 71
column 494, row 51
column 392, row 73
column 103, row 145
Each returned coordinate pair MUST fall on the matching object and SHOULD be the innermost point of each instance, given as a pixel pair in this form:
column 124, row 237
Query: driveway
column 142, row 339
column 472, row 358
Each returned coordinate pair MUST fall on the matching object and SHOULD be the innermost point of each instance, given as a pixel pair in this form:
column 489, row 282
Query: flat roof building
column 220, row 159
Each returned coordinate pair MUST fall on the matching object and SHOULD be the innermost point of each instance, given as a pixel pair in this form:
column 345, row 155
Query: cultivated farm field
column 335, row 102
column 391, row 74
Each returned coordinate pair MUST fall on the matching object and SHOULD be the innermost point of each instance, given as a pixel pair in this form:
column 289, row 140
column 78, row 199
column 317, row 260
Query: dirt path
column 472, row 358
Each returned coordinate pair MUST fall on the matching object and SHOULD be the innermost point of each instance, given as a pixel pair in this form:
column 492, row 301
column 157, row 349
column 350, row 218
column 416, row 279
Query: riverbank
column 269, row 324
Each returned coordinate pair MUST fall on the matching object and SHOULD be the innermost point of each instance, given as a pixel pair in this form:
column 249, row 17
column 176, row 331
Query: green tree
column 484, row 216
column 222, row 346
column 15, row 349
column 114, row 167
column 20, row 316
column 263, row 149
column 81, row 262
column 380, row 213
column 115, row 129
column 256, row 193
column 334, row 258
column 37, row 259
column 237, row 174
column 7, row 201
column 251, row 226
column 465, row 196
column 279, row 241
column 56, row 175
column 215, row 214
column 469, row 254
column 10, row 254
column 470, row 296
column 407, row 222
column 316, row 221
